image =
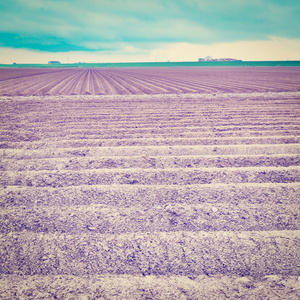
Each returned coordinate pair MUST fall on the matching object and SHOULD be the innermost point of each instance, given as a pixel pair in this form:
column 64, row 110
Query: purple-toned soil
column 156, row 80
column 158, row 183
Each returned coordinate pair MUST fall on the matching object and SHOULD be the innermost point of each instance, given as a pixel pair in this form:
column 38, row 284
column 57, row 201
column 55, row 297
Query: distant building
column 53, row 62
column 209, row 58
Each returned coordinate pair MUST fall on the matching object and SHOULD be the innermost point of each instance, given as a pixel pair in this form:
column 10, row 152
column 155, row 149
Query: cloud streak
column 274, row 49
column 90, row 25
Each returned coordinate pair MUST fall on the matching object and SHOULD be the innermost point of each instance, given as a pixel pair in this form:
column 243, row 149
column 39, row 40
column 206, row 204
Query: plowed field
column 163, row 183
column 132, row 81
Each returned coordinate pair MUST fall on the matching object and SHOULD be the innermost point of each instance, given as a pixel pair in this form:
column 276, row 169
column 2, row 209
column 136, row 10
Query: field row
column 152, row 177
column 127, row 81
column 244, row 253
column 151, row 189
column 157, row 162
column 77, row 139
column 127, row 195
column 144, row 142
column 169, row 218
column 148, row 287
column 148, row 152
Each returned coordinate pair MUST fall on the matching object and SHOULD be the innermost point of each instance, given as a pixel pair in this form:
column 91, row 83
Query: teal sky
column 130, row 29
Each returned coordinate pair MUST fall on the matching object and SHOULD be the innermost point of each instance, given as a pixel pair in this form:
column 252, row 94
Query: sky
column 98, row 31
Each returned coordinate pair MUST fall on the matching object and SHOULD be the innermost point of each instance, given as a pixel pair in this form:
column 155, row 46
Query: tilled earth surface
column 178, row 196
column 139, row 81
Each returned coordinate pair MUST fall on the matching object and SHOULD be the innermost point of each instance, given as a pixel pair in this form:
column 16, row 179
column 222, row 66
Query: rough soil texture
column 191, row 192
column 155, row 80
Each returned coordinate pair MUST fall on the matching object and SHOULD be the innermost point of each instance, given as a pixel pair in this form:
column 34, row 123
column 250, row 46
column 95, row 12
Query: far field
column 138, row 81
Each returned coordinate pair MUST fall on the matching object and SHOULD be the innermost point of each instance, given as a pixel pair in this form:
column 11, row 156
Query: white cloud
column 22, row 56
column 273, row 49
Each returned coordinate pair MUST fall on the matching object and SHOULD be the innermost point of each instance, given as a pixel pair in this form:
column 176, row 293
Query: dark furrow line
column 172, row 253
column 146, row 196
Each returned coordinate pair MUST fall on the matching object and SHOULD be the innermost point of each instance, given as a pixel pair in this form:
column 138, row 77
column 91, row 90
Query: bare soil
column 163, row 183
column 155, row 80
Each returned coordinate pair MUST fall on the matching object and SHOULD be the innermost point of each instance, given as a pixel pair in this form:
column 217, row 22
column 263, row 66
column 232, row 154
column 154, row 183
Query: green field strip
column 167, row 218
column 285, row 63
column 245, row 253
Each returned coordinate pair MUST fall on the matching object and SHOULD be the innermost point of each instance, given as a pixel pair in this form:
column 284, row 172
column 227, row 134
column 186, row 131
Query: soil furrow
column 190, row 195
column 168, row 253
column 96, row 135
column 170, row 218
column 153, row 177
column 150, row 195
column 107, row 88
column 157, row 162
column 62, row 83
column 31, row 143
column 181, row 80
column 216, row 287
column 150, row 151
